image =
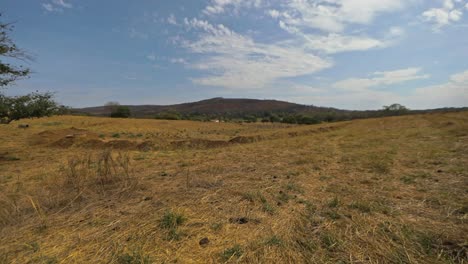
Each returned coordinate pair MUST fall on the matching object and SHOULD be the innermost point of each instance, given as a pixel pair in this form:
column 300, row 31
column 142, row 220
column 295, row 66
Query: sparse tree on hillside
column 121, row 112
column 395, row 109
column 169, row 115
column 111, row 106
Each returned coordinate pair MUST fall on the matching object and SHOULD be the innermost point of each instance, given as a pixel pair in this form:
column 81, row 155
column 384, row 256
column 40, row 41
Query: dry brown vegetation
column 99, row 190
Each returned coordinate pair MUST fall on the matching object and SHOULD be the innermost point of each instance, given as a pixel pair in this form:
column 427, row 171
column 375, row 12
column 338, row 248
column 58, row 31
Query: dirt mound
column 66, row 138
column 117, row 144
column 120, row 144
column 145, row 146
column 61, row 137
column 91, row 144
column 5, row 156
column 245, row 139
column 65, row 142
column 199, row 143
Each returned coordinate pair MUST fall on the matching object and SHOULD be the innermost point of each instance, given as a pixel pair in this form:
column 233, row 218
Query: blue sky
column 351, row 54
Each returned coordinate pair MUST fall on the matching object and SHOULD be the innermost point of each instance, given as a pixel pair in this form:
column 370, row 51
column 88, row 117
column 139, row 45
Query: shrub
column 168, row 116
column 121, row 112
column 171, row 220
column 26, row 106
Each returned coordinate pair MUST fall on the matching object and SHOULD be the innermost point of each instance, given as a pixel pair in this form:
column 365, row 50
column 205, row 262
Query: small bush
column 268, row 208
column 120, row 112
column 171, row 220
column 173, row 234
column 329, row 241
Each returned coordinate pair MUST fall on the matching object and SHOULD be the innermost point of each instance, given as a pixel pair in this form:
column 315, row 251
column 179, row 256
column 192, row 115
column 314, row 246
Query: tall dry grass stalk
column 103, row 169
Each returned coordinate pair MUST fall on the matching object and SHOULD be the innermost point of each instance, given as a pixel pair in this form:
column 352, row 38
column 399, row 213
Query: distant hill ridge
column 211, row 106
column 251, row 110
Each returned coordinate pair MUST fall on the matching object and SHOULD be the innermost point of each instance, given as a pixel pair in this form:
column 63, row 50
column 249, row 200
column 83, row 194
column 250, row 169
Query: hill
column 251, row 110
column 214, row 106
column 78, row 189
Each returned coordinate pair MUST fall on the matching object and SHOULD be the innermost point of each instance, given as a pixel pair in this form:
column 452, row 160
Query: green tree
column 26, row 106
column 8, row 50
column 274, row 118
column 395, row 109
column 111, row 106
column 307, row 120
column 121, row 112
column 169, row 115
column 289, row 119
column 250, row 118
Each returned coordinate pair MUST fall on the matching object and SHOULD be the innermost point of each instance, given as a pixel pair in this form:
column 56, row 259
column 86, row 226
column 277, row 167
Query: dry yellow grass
column 390, row 190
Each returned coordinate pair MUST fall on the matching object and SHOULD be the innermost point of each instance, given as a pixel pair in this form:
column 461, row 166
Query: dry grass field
column 99, row 190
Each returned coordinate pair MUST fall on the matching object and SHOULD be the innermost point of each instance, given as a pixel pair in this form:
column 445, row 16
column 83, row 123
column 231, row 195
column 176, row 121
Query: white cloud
column 56, row 6
column 62, row 3
column 335, row 15
column 138, row 34
column 178, row 61
column 461, row 78
column 443, row 16
column 130, row 77
column 381, row 79
column 49, row 7
column 453, row 93
column 335, row 43
column 172, row 20
column 151, row 57
column 273, row 13
column 332, row 17
column 238, row 62
column 222, row 6
column 395, row 32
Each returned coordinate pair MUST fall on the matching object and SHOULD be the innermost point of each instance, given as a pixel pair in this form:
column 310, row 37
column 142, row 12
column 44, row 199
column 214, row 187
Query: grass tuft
column 334, row 203
column 233, row 252
column 136, row 257
column 171, row 220
column 274, row 241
